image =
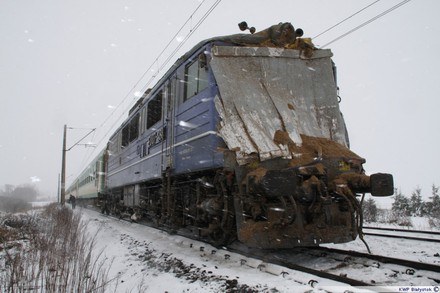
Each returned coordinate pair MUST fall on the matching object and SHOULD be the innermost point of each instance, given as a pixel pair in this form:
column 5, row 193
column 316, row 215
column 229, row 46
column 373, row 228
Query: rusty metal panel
column 268, row 89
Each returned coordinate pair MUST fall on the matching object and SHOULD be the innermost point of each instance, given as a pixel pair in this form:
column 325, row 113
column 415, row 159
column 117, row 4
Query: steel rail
column 385, row 259
column 403, row 237
column 403, row 230
column 271, row 259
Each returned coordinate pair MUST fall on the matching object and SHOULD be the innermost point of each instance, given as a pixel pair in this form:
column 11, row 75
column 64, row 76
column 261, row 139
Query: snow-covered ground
column 144, row 259
column 149, row 260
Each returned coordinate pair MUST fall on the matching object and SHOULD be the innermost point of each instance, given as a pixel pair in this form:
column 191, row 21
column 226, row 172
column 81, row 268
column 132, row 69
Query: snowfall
column 144, row 259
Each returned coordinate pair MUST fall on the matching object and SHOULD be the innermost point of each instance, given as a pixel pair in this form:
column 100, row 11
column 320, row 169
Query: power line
column 76, row 143
column 169, row 58
column 152, row 64
column 185, row 39
column 192, row 30
column 344, row 20
column 367, row 22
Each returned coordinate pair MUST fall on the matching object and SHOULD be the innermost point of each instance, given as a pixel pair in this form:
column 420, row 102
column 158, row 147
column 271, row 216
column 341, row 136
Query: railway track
column 434, row 236
column 275, row 259
column 410, row 267
column 336, row 259
column 403, row 230
column 401, row 268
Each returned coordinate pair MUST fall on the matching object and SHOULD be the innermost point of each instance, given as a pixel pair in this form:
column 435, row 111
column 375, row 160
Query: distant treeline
column 415, row 205
column 17, row 198
column 405, row 206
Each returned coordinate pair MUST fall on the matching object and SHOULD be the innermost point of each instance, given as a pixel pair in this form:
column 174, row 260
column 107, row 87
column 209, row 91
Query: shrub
column 400, row 219
column 434, row 222
column 56, row 254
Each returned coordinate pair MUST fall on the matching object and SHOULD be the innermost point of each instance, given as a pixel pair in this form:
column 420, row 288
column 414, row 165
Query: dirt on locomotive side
column 312, row 148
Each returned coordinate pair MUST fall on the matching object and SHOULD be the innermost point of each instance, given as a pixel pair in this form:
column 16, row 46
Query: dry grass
column 50, row 252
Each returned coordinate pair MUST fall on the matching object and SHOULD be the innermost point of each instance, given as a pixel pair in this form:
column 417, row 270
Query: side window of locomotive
column 119, row 141
column 143, row 119
column 125, row 136
column 134, row 128
column 154, row 110
column 131, row 131
column 196, row 77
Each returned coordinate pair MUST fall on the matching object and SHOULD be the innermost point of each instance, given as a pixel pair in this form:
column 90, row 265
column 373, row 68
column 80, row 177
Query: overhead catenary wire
column 152, row 64
column 81, row 139
column 367, row 22
column 167, row 60
column 345, row 19
column 85, row 159
column 196, row 26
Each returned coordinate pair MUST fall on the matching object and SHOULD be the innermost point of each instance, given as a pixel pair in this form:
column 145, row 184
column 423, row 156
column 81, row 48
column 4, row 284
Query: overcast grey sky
column 73, row 62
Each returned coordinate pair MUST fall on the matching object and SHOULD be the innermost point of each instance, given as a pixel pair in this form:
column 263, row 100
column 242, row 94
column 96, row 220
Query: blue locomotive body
column 182, row 135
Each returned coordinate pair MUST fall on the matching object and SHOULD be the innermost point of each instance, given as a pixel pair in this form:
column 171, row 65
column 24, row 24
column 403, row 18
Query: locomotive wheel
column 224, row 232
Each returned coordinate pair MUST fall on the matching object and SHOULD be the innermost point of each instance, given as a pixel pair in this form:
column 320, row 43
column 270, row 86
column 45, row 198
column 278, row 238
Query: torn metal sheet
column 232, row 130
column 268, row 89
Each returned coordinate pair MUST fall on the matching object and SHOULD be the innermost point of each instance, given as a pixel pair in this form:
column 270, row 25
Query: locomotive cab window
column 196, row 76
column 154, row 110
column 131, row 131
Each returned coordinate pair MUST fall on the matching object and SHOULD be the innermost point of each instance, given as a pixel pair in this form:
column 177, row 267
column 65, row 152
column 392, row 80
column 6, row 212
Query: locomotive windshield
column 269, row 92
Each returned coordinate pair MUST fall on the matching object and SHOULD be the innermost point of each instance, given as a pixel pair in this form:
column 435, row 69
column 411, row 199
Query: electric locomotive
column 243, row 139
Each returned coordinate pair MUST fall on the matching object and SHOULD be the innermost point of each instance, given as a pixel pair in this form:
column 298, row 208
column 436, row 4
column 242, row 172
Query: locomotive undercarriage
column 200, row 205
column 267, row 205
column 296, row 206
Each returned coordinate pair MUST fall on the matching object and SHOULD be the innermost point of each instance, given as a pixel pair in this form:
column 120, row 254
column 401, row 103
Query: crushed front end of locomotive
column 289, row 204
column 279, row 116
